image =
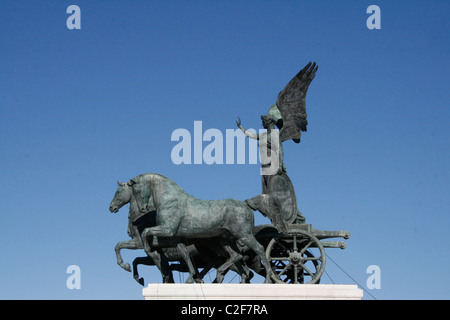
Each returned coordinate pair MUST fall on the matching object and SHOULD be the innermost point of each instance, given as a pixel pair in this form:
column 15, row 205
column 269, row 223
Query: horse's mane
column 159, row 178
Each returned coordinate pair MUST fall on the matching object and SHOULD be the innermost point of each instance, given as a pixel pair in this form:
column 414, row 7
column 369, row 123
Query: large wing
column 292, row 105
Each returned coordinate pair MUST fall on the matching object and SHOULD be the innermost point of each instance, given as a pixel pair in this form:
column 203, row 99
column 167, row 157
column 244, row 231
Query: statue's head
column 121, row 197
column 274, row 114
column 266, row 121
column 142, row 193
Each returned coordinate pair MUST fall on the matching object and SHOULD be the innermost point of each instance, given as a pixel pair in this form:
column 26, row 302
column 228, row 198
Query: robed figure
column 278, row 200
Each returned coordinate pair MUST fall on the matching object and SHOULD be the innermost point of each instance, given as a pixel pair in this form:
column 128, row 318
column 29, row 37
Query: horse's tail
column 269, row 207
column 250, row 204
column 259, row 203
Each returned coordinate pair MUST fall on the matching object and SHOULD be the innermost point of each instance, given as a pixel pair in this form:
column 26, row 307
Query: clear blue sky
column 81, row 109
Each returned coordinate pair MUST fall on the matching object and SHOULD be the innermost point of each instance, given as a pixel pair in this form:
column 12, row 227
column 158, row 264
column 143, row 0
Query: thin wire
column 351, row 277
column 210, row 280
column 233, row 278
column 328, row 276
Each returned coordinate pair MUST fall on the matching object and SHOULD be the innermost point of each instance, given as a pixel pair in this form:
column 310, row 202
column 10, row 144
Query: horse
column 137, row 222
column 179, row 214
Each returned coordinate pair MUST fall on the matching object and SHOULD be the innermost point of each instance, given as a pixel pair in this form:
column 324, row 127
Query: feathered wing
column 292, row 105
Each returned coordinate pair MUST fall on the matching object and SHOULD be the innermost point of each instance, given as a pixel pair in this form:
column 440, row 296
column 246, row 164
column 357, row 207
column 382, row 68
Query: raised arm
column 249, row 134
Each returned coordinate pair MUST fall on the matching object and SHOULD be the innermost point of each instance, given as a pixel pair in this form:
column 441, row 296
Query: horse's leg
column 243, row 231
column 141, row 260
column 205, row 270
column 182, row 249
column 162, row 263
column 242, row 270
column 248, row 274
column 168, row 229
column 129, row 244
column 254, row 245
column 169, row 220
column 233, row 258
column 165, row 230
column 159, row 258
column 146, row 234
column 165, row 267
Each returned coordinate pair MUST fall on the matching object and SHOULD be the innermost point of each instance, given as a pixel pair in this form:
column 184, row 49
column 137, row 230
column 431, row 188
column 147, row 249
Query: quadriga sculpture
column 182, row 215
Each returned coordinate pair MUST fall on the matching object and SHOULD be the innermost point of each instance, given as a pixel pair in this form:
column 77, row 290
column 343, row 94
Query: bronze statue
column 181, row 215
column 278, row 200
column 173, row 226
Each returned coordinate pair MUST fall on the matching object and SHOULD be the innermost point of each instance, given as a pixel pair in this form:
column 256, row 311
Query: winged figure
column 289, row 112
column 278, row 200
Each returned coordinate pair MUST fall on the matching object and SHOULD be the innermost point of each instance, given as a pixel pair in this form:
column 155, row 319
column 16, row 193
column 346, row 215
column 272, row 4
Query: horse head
column 141, row 193
column 121, row 197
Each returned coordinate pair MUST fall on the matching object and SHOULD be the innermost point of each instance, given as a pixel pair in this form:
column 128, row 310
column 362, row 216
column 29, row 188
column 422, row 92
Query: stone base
column 232, row 291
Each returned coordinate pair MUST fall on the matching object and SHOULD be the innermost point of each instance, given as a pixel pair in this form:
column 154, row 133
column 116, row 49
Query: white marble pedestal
column 231, row 291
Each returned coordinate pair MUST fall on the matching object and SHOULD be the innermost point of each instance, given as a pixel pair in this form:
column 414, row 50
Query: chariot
column 221, row 234
column 299, row 255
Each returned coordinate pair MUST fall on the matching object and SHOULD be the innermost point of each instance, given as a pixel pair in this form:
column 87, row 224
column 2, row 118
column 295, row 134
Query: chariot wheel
column 296, row 258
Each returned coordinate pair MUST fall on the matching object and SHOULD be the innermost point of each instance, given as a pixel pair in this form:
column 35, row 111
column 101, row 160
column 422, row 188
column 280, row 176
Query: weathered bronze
column 173, row 226
column 278, row 200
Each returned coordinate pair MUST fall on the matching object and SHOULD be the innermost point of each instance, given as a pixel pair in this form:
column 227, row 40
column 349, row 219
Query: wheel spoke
column 291, row 258
column 284, row 270
column 312, row 259
column 306, row 247
column 279, row 258
column 295, row 273
column 283, row 247
column 307, row 270
column 278, row 265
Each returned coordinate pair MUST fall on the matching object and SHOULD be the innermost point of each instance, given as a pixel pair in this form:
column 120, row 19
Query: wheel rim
column 298, row 258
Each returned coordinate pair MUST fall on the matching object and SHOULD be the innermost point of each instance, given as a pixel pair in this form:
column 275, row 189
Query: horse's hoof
column 189, row 280
column 139, row 280
column 127, row 267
